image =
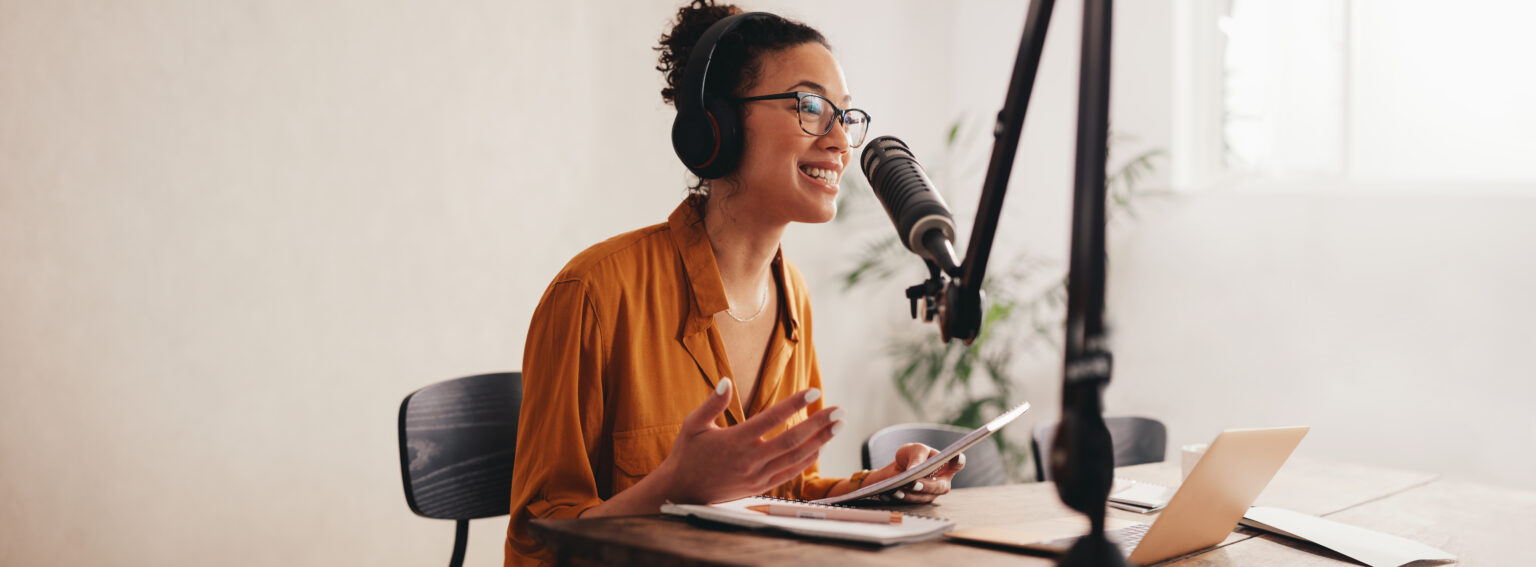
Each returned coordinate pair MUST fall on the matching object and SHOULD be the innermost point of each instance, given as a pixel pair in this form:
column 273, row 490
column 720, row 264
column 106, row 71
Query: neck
column 744, row 247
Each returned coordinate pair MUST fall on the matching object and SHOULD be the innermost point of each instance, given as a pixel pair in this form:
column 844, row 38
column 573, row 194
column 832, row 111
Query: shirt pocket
column 637, row 452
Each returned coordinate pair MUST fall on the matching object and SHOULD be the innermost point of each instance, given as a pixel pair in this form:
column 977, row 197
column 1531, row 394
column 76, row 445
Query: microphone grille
column 874, row 152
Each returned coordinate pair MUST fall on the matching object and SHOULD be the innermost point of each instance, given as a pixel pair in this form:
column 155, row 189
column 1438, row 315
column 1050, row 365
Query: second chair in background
column 1137, row 440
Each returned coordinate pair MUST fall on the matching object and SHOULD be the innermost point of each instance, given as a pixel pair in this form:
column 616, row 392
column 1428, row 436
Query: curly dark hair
column 738, row 55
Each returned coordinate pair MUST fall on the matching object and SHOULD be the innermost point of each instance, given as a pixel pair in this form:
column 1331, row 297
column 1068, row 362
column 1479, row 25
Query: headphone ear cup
column 725, row 125
column 709, row 142
column 693, row 138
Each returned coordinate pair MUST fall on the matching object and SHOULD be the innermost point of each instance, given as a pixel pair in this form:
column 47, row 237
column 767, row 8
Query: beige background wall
column 234, row 235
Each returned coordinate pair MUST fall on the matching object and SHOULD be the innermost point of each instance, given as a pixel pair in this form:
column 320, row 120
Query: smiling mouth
column 826, row 176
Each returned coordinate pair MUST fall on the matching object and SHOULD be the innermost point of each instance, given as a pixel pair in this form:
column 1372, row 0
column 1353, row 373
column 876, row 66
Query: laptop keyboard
column 1127, row 538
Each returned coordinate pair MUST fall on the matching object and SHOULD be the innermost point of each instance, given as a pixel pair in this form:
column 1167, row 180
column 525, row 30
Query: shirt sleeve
column 561, row 417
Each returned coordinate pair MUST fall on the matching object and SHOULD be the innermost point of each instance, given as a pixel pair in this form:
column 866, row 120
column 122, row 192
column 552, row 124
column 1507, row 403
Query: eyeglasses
column 817, row 114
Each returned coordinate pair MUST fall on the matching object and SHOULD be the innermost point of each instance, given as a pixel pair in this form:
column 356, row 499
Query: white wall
column 234, row 235
column 1396, row 325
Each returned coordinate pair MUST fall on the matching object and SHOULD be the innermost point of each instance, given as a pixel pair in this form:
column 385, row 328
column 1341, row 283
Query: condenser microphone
column 922, row 219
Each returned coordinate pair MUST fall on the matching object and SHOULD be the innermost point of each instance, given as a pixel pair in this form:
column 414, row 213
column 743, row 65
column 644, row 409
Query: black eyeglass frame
column 838, row 115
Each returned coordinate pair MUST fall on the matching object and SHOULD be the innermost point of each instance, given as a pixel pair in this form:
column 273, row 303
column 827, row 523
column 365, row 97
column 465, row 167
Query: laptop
column 1224, row 483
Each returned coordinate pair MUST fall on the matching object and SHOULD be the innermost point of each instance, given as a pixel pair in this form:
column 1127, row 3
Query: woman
column 675, row 363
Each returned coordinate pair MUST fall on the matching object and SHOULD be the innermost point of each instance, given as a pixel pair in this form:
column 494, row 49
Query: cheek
column 769, row 149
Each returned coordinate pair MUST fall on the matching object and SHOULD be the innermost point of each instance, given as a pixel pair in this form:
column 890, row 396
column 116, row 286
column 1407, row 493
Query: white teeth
column 826, row 175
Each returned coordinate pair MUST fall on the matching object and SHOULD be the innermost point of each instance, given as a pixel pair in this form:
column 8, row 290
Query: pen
column 827, row 513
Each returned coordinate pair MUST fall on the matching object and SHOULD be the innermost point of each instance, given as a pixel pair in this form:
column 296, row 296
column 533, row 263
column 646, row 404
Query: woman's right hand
column 709, row 463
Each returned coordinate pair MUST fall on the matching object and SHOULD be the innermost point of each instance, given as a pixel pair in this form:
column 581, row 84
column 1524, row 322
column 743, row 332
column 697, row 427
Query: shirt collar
column 791, row 306
column 698, row 257
column 692, row 240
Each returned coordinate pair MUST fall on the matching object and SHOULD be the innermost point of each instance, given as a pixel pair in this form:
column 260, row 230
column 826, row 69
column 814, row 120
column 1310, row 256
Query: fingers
column 920, row 492
column 926, row 489
column 916, row 497
column 950, row 468
column 793, row 470
column 932, row 487
column 713, row 406
column 913, row 454
column 760, row 424
column 811, row 441
column 804, row 431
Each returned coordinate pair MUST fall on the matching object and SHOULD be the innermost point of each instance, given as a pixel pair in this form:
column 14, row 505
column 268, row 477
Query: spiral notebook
column 912, row 527
column 1137, row 496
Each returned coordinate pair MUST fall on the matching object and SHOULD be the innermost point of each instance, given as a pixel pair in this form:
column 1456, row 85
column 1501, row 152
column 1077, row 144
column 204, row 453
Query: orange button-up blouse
column 622, row 347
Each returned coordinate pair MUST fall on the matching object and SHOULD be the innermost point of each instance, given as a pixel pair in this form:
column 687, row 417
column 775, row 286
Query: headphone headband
column 707, row 131
column 697, row 73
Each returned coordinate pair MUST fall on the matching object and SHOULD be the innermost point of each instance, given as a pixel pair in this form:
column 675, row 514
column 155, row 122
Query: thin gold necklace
column 760, row 308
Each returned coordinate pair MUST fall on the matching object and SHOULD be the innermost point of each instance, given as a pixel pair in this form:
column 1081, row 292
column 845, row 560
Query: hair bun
column 677, row 45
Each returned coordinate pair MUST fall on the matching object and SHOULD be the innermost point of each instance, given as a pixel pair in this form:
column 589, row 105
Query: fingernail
column 812, row 395
column 836, row 427
column 837, row 414
column 725, row 384
column 917, row 487
column 962, row 459
column 900, row 495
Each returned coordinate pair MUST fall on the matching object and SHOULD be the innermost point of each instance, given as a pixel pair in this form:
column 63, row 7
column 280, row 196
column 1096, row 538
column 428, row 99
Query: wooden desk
column 1482, row 525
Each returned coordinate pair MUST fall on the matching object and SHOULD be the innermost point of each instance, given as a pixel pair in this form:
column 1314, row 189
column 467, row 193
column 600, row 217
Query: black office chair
column 983, row 463
column 1137, row 440
column 457, row 440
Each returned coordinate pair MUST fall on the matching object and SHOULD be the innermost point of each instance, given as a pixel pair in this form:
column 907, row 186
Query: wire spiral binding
column 813, row 505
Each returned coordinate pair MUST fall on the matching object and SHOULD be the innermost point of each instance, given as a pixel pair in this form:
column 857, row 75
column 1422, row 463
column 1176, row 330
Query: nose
column 836, row 138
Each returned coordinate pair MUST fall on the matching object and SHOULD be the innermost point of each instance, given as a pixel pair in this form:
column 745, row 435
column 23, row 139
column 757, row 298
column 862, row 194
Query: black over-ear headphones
column 707, row 131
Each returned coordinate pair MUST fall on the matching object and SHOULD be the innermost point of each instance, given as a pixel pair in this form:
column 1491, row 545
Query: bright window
column 1356, row 93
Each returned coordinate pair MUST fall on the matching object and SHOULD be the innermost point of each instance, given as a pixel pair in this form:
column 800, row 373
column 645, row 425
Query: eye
column 813, row 105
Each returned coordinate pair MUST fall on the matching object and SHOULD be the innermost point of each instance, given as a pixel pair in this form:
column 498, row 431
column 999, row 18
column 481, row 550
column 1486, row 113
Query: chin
column 827, row 213
column 820, row 212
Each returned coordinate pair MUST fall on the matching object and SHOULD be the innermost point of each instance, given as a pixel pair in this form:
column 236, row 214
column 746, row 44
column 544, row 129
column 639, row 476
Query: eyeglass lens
column 816, row 115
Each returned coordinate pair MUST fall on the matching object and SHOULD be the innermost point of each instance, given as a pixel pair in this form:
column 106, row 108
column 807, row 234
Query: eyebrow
column 820, row 90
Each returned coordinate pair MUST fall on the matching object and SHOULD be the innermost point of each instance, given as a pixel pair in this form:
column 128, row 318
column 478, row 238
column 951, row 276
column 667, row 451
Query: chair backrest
column 1137, row 440
column 457, row 440
column 983, row 463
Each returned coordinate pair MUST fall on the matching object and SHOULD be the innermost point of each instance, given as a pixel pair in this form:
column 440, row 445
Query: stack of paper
column 1139, row 496
column 1369, row 547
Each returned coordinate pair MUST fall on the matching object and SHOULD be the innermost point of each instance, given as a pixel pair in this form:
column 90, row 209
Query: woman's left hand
column 925, row 489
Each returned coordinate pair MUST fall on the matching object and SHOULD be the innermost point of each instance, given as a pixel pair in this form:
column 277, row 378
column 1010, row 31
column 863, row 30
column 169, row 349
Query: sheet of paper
column 1366, row 546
